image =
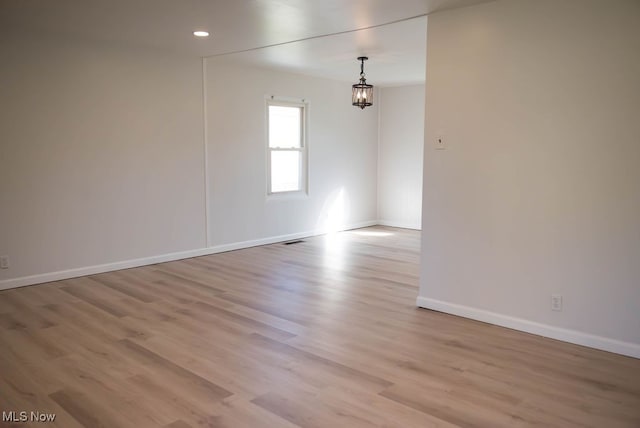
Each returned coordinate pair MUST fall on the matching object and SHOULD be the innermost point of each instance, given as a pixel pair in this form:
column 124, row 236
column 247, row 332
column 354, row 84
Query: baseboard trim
column 400, row 224
column 572, row 336
column 144, row 261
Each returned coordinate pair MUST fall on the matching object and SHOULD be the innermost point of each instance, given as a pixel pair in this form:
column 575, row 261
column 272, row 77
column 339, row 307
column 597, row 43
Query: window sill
column 287, row 196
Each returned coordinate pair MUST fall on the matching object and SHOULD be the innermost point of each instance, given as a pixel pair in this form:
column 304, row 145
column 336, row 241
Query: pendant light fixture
column 361, row 92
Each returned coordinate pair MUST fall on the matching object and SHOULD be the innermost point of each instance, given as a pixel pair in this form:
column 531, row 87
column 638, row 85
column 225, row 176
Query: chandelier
column 361, row 92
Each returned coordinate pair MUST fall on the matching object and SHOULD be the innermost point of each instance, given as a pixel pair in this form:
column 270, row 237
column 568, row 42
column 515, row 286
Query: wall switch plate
column 556, row 302
column 4, row 262
column 440, row 142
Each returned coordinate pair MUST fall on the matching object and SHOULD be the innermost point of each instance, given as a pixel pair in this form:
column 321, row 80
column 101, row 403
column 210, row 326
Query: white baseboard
column 400, row 224
column 572, row 336
column 144, row 261
column 91, row 270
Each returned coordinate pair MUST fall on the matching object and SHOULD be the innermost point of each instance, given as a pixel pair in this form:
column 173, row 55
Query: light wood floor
column 323, row 333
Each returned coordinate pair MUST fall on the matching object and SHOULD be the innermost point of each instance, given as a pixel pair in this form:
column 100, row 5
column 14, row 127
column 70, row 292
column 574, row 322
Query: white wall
column 342, row 142
column 101, row 155
column 401, row 142
column 102, row 162
column 538, row 190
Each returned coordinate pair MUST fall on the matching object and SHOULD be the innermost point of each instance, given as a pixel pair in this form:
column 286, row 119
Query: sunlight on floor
column 334, row 251
column 372, row 233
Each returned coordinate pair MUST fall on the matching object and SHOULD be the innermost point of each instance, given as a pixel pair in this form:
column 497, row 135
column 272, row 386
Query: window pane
column 284, row 126
column 285, row 171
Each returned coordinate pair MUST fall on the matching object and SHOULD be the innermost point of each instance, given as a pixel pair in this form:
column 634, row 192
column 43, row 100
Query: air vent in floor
column 294, row 242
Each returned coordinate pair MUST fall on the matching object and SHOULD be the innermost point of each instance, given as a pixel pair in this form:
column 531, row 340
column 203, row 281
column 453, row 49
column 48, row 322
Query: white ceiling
column 396, row 51
column 396, row 54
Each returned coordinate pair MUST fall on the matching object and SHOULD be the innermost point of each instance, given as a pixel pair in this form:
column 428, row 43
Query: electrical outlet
column 4, row 262
column 556, row 302
column 440, row 142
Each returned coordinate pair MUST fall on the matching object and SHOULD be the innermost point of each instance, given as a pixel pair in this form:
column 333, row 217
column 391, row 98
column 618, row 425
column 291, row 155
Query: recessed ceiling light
column 201, row 33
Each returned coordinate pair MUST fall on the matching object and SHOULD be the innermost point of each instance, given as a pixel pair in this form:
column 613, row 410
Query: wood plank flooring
column 322, row 333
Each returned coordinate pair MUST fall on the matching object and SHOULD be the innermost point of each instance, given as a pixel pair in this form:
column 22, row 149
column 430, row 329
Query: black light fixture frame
column 361, row 92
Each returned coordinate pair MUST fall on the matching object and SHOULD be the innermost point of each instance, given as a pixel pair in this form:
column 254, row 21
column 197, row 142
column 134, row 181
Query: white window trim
column 304, row 150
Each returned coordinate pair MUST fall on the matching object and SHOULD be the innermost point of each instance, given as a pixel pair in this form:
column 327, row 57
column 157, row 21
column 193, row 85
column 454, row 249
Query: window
column 287, row 155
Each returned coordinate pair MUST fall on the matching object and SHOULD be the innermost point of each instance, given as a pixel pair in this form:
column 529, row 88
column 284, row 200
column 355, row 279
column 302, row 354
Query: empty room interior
column 280, row 213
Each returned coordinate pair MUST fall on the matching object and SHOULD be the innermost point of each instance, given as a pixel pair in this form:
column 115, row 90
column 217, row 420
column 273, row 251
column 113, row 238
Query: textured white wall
column 101, row 154
column 401, row 142
column 342, row 155
column 538, row 191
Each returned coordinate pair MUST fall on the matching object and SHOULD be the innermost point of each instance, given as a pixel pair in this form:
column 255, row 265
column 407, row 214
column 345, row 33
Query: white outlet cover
column 556, row 302
column 440, row 142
